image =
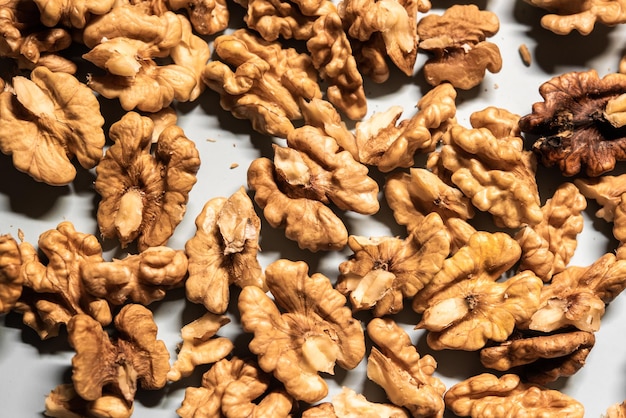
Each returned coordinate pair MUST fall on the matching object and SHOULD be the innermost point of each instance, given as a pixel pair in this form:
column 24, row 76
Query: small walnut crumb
column 234, row 165
column 524, row 53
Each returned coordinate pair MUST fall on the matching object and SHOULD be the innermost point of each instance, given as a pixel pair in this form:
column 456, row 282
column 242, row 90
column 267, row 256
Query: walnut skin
column 407, row 378
column 489, row 396
column 144, row 195
column 566, row 16
column 134, row 356
column 10, row 278
column 199, row 346
column 574, row 124
column 384, row 271
column 235, row 388
column 456, row 40
column 314, row 331
column 48, row 120
column 348, row 403
column 223, row 251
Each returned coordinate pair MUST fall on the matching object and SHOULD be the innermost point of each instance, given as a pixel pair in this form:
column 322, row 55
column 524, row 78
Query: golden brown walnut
column 348, row 403
column 579, row 123
column 64, row 402
column 397, row 367
column 495, row 172
column 199, row 347
column 266, row 83
column 486, row 255
column 53, row 292
column 144, row 195
column 331, row 54
column 566, row 16
column 10, row 278
column 577, row 296
column 223, row 251
column 489, row 396
column 619, row 227
column 384, row 271
column 474, row 311
column 606, row 190
column 133, row 357
column 47, row 121
column 192, row 53
column 307, row 175
column 141, row 278
column 457, row 44
column 415, row 194
column 548, row 246
column 617, row 410
column 235, row 388
column 304, row 330
column 207, row 16
column 542, row 358
column 387, row 144
column 70, row 13
column 393, row 20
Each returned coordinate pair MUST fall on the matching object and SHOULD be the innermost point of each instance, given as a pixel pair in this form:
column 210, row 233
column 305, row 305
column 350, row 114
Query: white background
column 31, row 368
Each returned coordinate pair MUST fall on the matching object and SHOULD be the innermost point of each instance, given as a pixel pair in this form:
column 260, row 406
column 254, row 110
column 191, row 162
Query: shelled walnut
column 348, row 403
column 566, row 16
column 10, row 278
column 64, row 402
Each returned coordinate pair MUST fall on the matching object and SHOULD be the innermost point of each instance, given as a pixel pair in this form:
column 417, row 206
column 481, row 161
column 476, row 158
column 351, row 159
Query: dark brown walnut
column 144, row 193
column 130, row 357
column 580, row 125
column 457, row 42
column 540, row 358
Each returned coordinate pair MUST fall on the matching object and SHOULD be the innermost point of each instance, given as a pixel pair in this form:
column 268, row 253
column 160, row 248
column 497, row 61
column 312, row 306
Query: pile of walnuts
column 509, row 294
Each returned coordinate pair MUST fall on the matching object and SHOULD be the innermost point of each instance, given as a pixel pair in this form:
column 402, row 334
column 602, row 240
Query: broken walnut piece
column 541, row 358
column 348, row 403
column 384, row 271
column 397, row 367
column 263, row 72
column 131, row 357
column 54, row 292
column 617, row 410
column 577, row 127
column 548, row 246
column 489, row 396
column 223, row 251
column 566, row 16
column 457, row 43
column 64, row 402
column 10, row 278
column 577, row 296
column 199, row 345
column 234, row 388
column 141, row 278
column 387, row 144
column 471, row 312
column 48, row 120
column 306, row 329
column 144, row 194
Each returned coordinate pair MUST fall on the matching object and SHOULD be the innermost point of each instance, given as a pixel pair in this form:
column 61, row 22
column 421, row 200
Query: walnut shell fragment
column 263, row 72
column 457, row 42
column 548, row 246
column 486, row 395
column 397, row 367
column 48, row 120
column 566, row 16
column 132, row 357
column 305, row 330
column 235, row 388
column 10, row 278
column 579, row 123
column 384, row 271
column 141, row 278
column 541, row 359
column 54, row 292
column 144, row 195
column 199, row 346
column 387, row 144
column 64, row 402
column 348, row 403
column 223, row 251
